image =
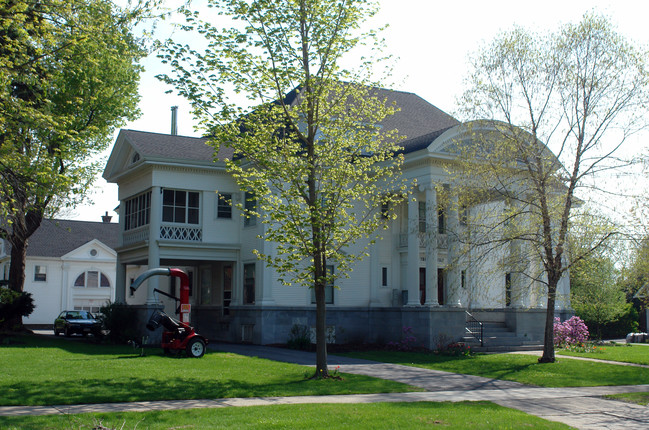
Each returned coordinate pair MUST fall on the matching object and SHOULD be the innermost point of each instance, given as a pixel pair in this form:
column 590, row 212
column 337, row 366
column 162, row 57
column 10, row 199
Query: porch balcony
column 442, row 240
column 182, row 233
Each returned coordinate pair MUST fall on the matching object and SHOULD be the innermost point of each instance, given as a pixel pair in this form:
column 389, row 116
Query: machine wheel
column 195, row 348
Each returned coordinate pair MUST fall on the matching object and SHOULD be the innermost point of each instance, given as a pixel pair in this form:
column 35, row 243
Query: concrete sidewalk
column 578, row 407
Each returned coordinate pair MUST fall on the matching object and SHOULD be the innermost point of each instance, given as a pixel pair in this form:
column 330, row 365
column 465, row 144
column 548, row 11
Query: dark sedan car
column 81, row 322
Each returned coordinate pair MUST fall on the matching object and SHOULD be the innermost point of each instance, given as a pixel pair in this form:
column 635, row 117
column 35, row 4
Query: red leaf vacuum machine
column 177, row 335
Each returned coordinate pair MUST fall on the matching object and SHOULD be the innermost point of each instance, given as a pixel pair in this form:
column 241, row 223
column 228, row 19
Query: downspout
column 185, row 308
column 146, row 275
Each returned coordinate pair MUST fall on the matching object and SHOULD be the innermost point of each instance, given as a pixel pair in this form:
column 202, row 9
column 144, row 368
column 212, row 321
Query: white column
column 375, row 276
column 518, row 290
column 66, row 288
column 453, row 277
column 266, row 276
column 120, row 268
column 154, row 235
column 412, row 277
column 121, row 213
column 120, row 281
column 431, row 246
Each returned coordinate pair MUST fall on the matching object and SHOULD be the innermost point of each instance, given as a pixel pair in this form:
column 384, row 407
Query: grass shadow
column 107, row 373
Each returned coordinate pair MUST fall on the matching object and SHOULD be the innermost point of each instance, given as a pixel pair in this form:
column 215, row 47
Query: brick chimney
column 106, row 218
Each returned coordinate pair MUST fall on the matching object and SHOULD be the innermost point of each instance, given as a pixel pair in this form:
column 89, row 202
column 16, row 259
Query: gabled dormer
column 135, row 150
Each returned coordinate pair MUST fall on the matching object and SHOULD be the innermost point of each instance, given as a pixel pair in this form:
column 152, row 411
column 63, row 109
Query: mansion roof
column 418, row 121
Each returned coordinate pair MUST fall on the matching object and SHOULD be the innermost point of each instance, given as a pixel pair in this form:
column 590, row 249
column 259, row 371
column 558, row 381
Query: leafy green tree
column 68, row 78
column 595, row 294
column 635, row 281
column 581, row 91
column 311, row 149
column 636, row 271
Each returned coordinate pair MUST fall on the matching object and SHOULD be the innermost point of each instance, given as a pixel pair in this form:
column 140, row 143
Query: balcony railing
column 138, row 235
column 442, row 240
column 188, row 234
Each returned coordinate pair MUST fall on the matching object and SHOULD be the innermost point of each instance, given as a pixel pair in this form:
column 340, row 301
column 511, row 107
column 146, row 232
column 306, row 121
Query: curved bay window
column 92, row 279
column 137, row 211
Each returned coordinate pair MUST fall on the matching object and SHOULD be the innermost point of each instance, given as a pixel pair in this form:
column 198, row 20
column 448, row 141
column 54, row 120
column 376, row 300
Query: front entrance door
column 440, row 286
column 227, row 289
column 508, row 289
column 422, row 285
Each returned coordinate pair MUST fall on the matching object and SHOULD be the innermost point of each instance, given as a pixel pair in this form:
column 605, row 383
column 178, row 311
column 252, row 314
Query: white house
column 171, row 215
column 69, row 265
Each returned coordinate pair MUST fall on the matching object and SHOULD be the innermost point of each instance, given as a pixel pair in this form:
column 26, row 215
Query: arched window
column 92, row 279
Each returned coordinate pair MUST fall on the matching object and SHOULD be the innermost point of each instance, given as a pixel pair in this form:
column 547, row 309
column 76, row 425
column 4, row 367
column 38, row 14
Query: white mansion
column 171, row 216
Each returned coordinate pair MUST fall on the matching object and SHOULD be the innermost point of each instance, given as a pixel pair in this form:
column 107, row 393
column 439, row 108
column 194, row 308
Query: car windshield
column 80, row 315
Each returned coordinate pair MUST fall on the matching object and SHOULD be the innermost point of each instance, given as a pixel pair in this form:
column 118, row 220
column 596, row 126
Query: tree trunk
column 21, row 229
column 548, row 338
column 321, row 331
column 17, row 278
column 17, row 264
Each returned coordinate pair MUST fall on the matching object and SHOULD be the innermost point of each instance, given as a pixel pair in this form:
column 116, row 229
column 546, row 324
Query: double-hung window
column 180, row 207
column 385, row 210
column 224, row 205
column 384, row 276
column 441, row 220
column 40, row 273
column 422, row 217
column 250, row 207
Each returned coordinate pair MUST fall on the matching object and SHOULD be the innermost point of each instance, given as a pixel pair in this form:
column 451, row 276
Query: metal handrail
column 475, row 328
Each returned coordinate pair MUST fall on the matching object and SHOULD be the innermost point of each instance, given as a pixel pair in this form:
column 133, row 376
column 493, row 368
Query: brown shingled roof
column 55, row 238
column 416, row 121
column 158, row 145
column 416, row 118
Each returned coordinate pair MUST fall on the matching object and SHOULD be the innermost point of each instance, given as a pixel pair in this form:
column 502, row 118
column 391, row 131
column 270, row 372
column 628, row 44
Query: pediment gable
column 123, row 157
column 133, row 149
column 93, row 250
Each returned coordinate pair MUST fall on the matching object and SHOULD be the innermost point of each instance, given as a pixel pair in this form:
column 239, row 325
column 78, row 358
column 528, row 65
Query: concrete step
column 497, row 341
column 498, row 338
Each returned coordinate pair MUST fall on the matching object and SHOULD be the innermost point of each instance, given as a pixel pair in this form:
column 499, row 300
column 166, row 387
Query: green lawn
column 463, row 415
column 46, row 371
column 638, row 354
column 521, row 368
column 637, row 398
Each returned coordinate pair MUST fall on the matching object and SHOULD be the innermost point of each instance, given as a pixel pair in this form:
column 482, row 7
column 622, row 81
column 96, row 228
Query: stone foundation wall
column 267, row 325
column 272, row 325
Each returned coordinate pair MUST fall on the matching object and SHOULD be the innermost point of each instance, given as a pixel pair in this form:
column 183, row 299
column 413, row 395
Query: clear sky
column 432, row 40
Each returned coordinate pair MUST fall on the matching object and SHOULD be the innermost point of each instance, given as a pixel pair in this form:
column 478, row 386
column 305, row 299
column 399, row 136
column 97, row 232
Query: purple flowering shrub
column 570, row 332
column 407, row 342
